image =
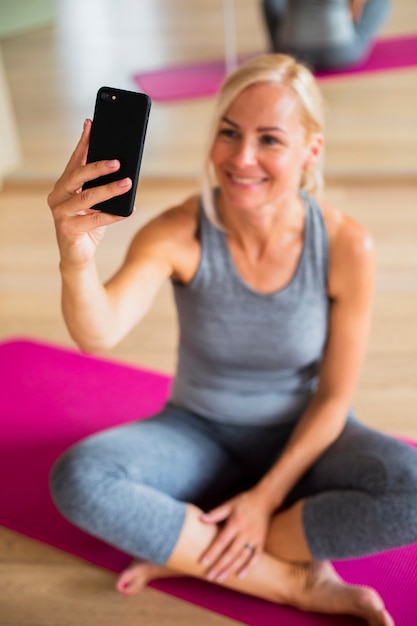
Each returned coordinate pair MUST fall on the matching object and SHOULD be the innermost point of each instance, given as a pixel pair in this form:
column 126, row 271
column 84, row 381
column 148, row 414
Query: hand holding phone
column 118, row 132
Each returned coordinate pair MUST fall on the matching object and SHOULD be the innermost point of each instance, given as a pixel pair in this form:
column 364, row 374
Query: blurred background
column 57, row 53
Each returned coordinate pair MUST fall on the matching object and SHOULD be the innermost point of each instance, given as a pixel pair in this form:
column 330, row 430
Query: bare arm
column 356, row 8
column 351, row 281
column 97, row 315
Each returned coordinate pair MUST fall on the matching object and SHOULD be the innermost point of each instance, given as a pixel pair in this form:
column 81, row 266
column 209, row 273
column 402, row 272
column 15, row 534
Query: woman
column 256, row 474
column 326, row 34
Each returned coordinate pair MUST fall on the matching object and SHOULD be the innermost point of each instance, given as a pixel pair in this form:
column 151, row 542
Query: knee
column 402, row 472
column 69, row 481
column 403, row 495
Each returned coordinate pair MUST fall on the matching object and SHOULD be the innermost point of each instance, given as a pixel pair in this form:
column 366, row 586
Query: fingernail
column 211, row 576
column 112, row 163
column 205, row 561
column 125, row 182
column 221, row 578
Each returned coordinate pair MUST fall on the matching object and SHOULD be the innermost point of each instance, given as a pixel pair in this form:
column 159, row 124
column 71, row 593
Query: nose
column 245, row 154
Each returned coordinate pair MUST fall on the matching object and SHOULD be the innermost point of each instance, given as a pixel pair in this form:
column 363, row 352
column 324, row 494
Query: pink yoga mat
column 51, row 397
column 199, row 80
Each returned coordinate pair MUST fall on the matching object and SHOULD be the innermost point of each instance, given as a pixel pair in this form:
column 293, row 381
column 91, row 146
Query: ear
column 314, row 149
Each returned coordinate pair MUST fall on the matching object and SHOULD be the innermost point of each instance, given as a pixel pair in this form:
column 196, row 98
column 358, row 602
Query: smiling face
column 260, row 149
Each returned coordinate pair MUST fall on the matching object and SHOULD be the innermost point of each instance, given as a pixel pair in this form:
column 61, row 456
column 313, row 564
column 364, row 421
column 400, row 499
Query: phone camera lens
column 105, row 95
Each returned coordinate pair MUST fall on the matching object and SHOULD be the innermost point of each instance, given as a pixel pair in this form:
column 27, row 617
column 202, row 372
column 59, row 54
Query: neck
column 259, row 226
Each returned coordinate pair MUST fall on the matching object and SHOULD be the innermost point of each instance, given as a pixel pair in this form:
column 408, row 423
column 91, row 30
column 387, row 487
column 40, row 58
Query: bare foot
column 139, row 573
column 323, row 591
column 316, row 587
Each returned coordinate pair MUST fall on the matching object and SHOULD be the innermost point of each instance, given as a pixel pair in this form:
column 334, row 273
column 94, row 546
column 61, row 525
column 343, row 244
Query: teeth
column 246, row 181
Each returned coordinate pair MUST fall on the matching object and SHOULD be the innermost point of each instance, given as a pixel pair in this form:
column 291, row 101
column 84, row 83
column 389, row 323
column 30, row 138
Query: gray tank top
column 246, row 357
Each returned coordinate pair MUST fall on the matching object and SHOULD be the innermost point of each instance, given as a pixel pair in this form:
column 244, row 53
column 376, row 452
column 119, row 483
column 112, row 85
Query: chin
column 249, row 198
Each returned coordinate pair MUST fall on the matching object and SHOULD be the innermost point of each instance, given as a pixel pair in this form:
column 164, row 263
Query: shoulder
column 351, row 248
column 346, row 234
column 171, row 236
column 177, row 221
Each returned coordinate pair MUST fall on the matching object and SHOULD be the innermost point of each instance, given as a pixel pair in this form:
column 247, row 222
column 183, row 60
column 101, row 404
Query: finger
column 218, row 514
column 356, row 10
column 85, row 201
column 76, row 172
column 230, row 562
column 242, row 572
column 79, row 156
column 89, row 198
column 73, row 182
column 81, row 224
column 218, row 546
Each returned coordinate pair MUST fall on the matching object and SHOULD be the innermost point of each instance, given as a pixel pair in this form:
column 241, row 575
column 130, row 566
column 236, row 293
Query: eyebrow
column 261, row 129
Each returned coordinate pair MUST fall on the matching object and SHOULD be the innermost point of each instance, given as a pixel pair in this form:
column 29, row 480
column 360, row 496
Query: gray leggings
column 315, row 18
column 129, row 485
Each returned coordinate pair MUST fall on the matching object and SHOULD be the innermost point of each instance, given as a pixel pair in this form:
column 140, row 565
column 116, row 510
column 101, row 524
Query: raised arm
column 99, row 315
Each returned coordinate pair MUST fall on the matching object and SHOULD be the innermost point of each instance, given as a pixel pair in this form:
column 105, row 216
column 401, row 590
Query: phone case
column 118, row 132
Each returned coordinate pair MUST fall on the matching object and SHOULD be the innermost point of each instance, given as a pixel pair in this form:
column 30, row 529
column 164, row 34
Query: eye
column 270, row 140
column 229, row 133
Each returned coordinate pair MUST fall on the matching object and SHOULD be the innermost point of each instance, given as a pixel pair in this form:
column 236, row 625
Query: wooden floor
column 371, row 166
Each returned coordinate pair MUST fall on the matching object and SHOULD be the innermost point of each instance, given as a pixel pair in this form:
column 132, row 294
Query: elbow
column 88, row 350
column 334, row 403
column 91, row 338
column 92, row 346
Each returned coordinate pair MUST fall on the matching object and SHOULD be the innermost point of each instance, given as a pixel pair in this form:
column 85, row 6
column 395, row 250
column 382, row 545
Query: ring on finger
column 248, row 546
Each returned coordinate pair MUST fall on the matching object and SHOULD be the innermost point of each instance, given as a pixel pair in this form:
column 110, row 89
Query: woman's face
column 260, row 148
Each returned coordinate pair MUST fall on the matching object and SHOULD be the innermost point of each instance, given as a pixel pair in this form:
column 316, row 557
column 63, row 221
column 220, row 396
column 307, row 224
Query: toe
column 130, row 582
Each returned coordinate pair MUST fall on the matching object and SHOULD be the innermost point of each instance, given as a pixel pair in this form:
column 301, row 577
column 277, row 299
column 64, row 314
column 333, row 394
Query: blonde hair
column 276, row 69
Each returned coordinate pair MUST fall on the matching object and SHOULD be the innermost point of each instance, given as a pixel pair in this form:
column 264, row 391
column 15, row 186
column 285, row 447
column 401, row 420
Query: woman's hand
column 79, row 227
column 356, row 9
column 240, row 540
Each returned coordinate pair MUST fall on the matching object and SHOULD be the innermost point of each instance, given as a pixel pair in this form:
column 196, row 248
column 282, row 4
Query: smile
column 246, row 181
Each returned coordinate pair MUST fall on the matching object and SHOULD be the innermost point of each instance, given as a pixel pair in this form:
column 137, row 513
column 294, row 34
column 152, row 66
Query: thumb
column 219, row 514
column 79, row 156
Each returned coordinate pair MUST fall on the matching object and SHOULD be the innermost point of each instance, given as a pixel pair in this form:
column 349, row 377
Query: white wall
column 9, row 141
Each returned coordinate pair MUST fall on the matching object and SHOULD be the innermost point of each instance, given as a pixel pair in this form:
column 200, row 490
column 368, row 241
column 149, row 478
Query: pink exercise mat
column 51, row 397
column 199, row 80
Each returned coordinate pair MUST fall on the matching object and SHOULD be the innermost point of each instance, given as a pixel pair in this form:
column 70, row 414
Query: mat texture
column 51, row 397
column 199, row 80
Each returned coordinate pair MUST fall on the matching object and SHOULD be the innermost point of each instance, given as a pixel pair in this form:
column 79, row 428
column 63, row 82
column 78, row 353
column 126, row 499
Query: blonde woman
column 256, row 474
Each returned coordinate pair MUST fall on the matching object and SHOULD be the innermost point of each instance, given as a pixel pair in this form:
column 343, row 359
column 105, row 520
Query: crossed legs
column 128, row 486
column 308, row 586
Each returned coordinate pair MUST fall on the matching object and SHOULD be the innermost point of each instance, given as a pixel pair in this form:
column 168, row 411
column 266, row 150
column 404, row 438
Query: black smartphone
column 118, row 132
